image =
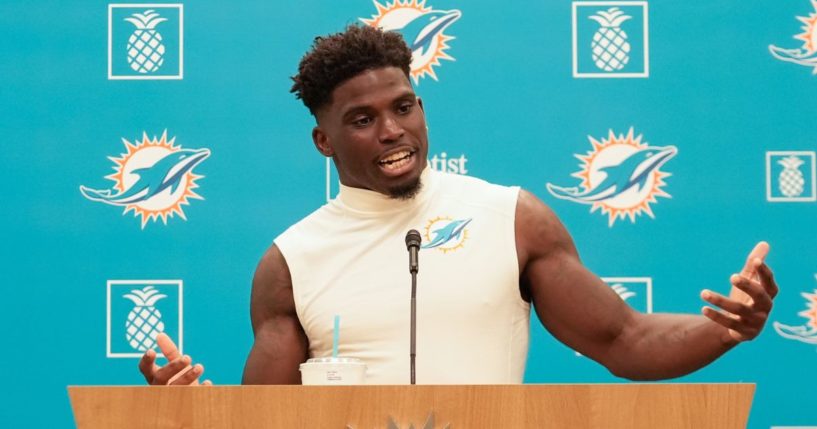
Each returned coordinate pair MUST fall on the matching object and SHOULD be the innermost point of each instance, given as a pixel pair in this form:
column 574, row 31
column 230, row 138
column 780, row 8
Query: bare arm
column 280, row 342
column 582, row 312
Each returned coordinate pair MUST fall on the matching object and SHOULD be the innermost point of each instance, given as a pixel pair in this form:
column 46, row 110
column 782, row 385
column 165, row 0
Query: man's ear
column 321, row 141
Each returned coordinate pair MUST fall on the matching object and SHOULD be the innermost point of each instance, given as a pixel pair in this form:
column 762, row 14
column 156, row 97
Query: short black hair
column 336, row 58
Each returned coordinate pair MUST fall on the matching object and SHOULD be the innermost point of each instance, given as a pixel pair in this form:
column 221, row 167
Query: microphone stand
column 413, row 351
column 413, row 240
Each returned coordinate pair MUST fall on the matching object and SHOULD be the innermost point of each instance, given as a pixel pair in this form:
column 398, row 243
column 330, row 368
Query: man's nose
column 391, row 130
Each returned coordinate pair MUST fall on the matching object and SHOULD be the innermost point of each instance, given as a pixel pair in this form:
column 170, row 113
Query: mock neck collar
column 367, row 201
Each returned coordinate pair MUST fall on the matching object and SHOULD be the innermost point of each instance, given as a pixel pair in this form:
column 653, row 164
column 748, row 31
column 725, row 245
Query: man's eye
column 404, row 108
column 362, row 121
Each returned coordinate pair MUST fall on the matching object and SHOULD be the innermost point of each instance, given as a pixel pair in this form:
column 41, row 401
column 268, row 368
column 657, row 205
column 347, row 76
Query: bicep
column 280, row 344
column 571, row 302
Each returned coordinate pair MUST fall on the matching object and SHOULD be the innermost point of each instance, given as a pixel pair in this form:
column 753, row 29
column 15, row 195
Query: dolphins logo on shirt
column 446, row 234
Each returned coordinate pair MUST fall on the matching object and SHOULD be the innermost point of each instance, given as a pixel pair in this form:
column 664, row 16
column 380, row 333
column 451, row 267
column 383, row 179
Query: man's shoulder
column 474, row 188
column 310, row 223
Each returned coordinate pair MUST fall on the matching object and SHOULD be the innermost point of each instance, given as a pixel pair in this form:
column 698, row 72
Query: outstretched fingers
column 168, row 372
column 767, row 279
column 760, row 251
column 761, row 301
column 722, row 319
column 189, row 376
column 168, row 347
column 178, row 371
column 729, row 305
column 147, row 365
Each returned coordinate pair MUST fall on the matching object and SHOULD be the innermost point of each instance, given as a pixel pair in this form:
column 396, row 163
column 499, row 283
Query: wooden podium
column 607, row 406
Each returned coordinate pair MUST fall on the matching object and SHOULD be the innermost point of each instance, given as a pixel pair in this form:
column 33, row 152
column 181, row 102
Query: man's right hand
column 177, row 372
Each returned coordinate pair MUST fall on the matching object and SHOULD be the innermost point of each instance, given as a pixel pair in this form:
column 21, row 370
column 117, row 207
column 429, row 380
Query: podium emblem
column 429, row 424
column 138, row 311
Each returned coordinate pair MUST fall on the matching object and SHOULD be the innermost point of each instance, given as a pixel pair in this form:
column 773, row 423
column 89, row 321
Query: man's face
column 375, row 131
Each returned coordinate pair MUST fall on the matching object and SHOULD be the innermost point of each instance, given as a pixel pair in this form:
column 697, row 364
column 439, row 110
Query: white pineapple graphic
column 790, row 180
column 622, row 291
column 145, row 49
column 611, row 50
column 144, row 321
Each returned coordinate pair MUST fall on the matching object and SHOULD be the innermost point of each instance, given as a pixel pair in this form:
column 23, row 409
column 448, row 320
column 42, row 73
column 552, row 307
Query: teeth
column 395, row 157
column 396, row 164
column 397, row 160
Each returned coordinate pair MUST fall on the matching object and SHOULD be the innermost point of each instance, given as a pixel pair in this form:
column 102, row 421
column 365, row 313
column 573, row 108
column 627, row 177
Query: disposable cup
column 333, row 371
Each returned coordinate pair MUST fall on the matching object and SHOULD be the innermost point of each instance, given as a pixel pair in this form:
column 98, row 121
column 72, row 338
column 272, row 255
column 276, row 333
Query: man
column 506, row 250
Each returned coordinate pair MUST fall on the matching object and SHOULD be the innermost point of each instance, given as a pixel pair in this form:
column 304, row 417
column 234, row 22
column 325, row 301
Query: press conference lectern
column 574, row 406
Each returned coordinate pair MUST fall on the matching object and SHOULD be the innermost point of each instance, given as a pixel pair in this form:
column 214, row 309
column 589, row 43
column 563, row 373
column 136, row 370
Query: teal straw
column 335, row 337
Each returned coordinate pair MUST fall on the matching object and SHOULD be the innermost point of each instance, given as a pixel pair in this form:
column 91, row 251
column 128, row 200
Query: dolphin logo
column 632, row 172
column 806, row 332
column 452, row 230
column 166, row 173
column 798, row 56
column 420, row 32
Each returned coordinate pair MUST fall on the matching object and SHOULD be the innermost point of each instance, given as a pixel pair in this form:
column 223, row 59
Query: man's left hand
column 745, row 311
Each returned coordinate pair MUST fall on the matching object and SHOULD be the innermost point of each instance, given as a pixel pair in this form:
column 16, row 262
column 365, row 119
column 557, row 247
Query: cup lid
column 335, row 360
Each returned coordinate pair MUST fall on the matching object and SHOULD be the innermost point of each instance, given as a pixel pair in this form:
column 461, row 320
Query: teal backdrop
column 718, row 85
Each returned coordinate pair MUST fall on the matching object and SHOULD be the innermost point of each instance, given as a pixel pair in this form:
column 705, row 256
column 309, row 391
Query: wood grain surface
column 693, row 406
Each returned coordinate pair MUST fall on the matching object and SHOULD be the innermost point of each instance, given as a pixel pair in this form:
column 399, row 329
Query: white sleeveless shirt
column 349, row 258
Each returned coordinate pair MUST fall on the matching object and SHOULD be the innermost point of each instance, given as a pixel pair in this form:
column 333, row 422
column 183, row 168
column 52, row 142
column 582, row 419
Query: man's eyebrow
column 406, row 95
column 354, row 109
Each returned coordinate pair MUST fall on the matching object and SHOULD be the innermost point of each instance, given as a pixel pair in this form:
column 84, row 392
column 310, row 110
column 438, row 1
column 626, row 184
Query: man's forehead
column 371, row 86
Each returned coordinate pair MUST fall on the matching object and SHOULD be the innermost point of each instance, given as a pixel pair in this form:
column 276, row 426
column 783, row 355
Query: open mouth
column 396, row 160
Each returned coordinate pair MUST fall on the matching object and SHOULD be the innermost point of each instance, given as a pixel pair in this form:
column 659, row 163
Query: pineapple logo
column 622, row 291
column 145, row 41
column 635, row 291
column 621, row 176
column 631, row 287
column 806, row 55
column 602, row 47
column 791, row 179
column 146, row 53
column 611, row 51
column 807, row 332
column 144, row 321
column 790, row 176
column 154, row 179
column 423, row 29
column 138, row 311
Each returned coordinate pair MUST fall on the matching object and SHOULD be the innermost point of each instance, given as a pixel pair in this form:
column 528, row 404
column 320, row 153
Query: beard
column 407, row 191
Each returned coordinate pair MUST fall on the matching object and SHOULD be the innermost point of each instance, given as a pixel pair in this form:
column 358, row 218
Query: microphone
column 413, row 240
